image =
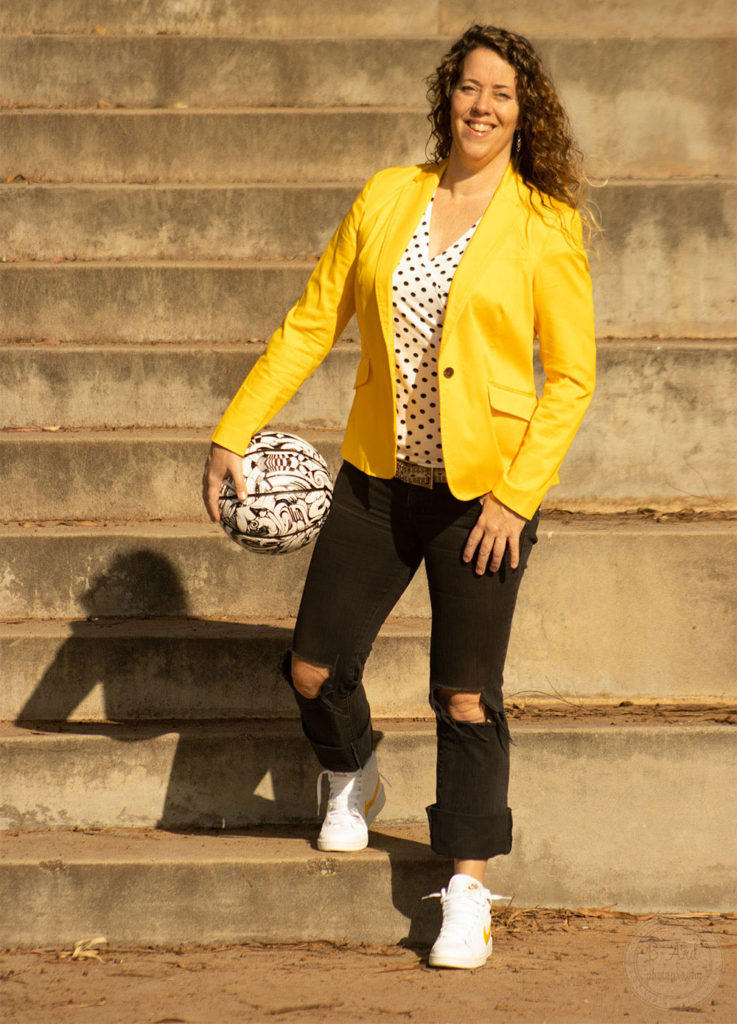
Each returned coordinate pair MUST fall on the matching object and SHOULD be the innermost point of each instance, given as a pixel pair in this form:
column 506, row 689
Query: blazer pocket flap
column 516, row 403
column 362, row 373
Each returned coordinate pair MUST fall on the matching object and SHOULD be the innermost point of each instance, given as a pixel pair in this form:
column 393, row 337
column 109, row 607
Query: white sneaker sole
column 341, row 845
column 438, row 960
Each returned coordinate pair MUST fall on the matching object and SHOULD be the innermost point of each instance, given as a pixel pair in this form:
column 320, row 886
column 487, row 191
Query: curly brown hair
column 548, row 159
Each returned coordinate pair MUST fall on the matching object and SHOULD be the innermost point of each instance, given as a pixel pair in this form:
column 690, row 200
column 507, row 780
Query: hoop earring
column 517, row 142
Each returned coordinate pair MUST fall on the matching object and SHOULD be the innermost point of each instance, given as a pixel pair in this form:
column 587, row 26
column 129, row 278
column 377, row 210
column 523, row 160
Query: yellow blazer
column 524, row 273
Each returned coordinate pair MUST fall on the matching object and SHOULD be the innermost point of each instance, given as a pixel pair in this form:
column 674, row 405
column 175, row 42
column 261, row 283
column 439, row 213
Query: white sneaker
column 355, row 800
column 465, row 937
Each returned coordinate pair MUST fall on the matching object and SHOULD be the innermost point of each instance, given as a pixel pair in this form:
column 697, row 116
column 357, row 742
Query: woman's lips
column 478, row 127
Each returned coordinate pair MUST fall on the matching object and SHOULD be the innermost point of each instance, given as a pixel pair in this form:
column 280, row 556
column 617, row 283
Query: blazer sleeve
column 564, row 323
column 307, row 334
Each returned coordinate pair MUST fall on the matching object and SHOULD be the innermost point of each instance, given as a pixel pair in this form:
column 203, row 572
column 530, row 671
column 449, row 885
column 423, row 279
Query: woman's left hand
column 495, row 527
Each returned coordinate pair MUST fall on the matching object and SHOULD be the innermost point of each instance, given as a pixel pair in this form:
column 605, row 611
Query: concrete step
column 617, row 788
column 346, row 143
column 364, row 17
column 227, row 301
column 650, row 609
column 662, row 428
column 139, row 887
column 167, row 71
column 190, row 669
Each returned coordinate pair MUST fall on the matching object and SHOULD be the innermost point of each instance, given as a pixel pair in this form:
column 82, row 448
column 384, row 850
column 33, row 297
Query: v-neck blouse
column 420, row 288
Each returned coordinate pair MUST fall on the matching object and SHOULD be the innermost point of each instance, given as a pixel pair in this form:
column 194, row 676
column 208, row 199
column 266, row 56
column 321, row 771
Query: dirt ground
column 547, row 966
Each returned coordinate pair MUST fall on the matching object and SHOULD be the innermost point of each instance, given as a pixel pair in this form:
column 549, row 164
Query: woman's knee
column 307, row 678
column 463, row 705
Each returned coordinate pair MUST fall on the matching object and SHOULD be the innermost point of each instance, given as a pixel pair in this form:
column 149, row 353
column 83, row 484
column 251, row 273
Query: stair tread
column 159, row 627
column 571, row 525
column 258, row 843
column 707, row 717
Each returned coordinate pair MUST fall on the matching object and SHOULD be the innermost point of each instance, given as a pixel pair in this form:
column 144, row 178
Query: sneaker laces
column 460, row 909
column 344, row 797
column 493, row 897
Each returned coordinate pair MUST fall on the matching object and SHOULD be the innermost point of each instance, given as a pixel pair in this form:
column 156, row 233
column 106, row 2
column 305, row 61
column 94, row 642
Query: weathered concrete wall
column 368, row 17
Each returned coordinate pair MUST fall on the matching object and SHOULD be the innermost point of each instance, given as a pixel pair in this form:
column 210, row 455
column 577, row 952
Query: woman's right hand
column 221, row 462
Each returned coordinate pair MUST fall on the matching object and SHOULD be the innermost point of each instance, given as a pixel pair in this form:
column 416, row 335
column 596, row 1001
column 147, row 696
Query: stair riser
column 162, row 71
column 209, row 146
column 244, row 778
column 180, row 387
column 614, row 18
column 224, row 17
column 365, row 17
column 650, row 605
column 175, row 223
column 147, row 303
column 232, row 303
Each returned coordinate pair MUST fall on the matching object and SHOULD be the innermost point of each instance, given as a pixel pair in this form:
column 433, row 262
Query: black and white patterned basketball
column 289, row 494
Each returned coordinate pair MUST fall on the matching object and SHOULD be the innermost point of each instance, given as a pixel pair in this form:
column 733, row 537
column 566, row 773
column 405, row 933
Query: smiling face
column 484, row 110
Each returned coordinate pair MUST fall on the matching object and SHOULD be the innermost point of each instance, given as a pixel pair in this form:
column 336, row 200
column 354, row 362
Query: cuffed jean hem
column 469, row 836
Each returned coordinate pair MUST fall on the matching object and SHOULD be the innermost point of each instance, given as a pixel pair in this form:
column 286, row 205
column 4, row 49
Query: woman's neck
column 466, row 183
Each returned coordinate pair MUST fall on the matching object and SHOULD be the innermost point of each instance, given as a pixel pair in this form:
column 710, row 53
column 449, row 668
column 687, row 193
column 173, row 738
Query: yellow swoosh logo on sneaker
column 487, row 934
column 367, row 806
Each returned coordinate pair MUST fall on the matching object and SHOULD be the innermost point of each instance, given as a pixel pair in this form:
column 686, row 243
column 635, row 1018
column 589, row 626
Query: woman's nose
column 482, row 102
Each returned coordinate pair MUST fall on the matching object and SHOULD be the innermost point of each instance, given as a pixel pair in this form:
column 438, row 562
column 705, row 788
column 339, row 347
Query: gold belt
column 421, row 476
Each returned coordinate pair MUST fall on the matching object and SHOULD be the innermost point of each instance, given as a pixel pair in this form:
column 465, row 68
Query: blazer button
column 448, row 371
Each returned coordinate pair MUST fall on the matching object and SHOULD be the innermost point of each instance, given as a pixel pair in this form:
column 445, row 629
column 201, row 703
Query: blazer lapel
column 408, row 209
column 498, row 218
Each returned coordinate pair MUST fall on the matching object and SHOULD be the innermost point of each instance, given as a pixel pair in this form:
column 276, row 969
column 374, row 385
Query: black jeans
column 377, row 533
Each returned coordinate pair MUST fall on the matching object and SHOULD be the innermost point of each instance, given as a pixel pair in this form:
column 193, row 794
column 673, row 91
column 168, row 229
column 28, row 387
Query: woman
column 451, row 269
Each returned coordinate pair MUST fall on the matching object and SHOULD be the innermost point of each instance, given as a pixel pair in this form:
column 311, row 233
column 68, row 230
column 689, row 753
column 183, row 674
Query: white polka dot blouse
column 420, row 287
